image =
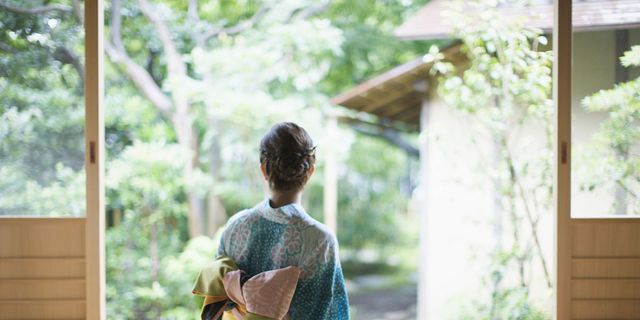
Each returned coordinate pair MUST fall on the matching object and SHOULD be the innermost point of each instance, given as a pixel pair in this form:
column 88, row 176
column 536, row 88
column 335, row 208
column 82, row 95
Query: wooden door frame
column 562, row 43
column 94, row 160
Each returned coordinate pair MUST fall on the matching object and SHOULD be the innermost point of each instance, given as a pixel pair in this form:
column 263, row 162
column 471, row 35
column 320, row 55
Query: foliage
column 369, row 47
column 41, row 147
column 283, row 66
column 369, row 199
column 509, row 302
column 613, row 155
column 133, row 289
column 144, row 182
column 505, row 86
column 146, row 178
column 63, row 195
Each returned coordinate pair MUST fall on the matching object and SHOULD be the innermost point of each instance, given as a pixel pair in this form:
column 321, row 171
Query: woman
column 278, row 233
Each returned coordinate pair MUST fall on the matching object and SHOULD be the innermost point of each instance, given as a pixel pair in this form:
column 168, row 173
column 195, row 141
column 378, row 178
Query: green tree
column 190, row 88
column 144, row 183
column 41, row 109
column 265, row 64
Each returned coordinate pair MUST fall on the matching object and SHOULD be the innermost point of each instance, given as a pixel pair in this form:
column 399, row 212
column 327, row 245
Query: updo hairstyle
column 288, row 154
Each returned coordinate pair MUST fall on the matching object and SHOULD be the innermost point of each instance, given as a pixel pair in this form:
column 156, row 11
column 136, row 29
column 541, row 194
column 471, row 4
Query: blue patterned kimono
column 264, row 238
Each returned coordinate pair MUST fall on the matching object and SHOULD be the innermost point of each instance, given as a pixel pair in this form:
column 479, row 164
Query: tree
column 41, row 109
column 505, row 86
column 174, row 106
column 190, row 88
column 145, row 183
column 188, row 34
column 208, row 42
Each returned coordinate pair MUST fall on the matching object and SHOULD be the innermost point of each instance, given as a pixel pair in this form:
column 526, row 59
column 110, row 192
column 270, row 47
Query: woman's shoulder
column 320, row 242
column 321, row 250
column 241, row 217
column 319, row 231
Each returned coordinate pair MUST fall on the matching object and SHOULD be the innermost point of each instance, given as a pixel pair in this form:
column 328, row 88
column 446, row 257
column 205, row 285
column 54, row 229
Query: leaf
column 631, row 57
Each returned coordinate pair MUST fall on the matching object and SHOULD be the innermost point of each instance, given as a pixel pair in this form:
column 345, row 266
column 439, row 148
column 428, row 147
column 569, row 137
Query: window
column 605, row 113
column 41, row 109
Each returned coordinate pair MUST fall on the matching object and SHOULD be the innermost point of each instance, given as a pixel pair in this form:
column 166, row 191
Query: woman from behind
column 278, row 233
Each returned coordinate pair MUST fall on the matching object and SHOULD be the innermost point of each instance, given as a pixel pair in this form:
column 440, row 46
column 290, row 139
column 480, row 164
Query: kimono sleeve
column 226, row 233
column 321, row 294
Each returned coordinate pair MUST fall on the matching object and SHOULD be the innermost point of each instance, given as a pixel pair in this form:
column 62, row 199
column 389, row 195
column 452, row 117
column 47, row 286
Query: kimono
column 264, row 238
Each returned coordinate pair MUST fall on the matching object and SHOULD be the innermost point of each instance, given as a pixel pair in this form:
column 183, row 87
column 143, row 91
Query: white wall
column 458, row 205
column 459, row 194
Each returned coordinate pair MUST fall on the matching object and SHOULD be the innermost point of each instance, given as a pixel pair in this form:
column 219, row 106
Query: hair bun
column 292, row 166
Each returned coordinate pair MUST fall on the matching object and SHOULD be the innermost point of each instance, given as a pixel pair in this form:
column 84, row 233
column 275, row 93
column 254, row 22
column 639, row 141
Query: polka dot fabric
column 264, row 238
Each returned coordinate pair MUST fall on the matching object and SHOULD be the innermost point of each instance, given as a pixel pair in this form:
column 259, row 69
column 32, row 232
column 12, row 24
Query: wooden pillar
column 422, row 211
column 622, row 45
column 562, row 37
column 94, row 161
column 330, row 195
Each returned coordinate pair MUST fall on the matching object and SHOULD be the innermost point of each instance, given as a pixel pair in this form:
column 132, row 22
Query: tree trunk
column 188, row 140
column 216, row 213
column 498, row 209
column 155, row 262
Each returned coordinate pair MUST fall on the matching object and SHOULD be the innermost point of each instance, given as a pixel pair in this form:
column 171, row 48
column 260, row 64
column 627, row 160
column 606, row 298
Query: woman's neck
column 280, row 198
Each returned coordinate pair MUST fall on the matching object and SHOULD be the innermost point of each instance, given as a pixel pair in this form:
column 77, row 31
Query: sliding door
column 597, row 161
column 51, row 160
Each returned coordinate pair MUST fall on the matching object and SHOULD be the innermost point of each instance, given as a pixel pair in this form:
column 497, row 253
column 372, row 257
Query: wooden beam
column 358, row 103
column 622, row 45
column 377, row 81
column 562, row 41
column 381, row 131
column 401, row 105
column 381, row 124
column 94, row 160
column 410, row 115
column 391, row 97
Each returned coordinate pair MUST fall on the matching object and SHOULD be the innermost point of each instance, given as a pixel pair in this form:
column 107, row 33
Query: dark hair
column 288, row 153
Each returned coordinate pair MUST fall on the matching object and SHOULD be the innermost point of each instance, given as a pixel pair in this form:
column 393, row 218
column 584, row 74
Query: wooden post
column 94, row 161
column 622, row 45
column 562, row 37
column 422, row 211
column 330, row 195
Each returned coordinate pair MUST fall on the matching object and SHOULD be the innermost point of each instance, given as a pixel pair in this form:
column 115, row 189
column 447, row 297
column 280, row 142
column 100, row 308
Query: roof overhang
column 429, row 23
column 396, row 96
